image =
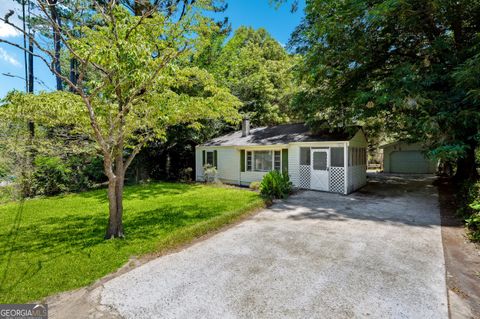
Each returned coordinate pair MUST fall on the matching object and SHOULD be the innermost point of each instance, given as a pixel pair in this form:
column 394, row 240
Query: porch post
column 345, row 165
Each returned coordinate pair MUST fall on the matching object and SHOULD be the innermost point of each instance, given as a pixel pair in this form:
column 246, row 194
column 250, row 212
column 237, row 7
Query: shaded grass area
column 56, row 244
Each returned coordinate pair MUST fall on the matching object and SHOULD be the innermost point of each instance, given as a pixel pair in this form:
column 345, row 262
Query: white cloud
column 8, row 58
column 5, row 29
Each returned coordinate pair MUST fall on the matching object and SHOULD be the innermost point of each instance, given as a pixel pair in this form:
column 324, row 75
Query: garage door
column 409, row 162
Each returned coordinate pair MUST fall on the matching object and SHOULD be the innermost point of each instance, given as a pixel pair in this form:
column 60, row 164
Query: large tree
column 402, row 65
column 258, row 71
column 135, row 80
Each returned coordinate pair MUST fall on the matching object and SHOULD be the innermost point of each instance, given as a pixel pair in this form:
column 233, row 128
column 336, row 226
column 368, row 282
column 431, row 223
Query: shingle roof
column 282, row 134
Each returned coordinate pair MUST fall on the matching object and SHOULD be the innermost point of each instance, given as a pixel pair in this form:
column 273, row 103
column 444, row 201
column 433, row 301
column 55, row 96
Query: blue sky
column 255, row 13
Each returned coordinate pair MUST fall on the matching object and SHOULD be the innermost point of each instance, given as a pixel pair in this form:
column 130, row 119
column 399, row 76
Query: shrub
column 7, row 193
column 469, row 202
column 209, row 173
column 473, row 221
column 275, row 185
column 185, row 175
column 51, row 175
column 255, row 186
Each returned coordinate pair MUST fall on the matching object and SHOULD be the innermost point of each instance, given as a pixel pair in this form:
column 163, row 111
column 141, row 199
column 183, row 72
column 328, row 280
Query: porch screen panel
column 320, row 161
column 304, row 155
column 336, row 157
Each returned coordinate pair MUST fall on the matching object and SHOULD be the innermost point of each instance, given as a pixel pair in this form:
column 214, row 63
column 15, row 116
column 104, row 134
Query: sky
column 279, row 22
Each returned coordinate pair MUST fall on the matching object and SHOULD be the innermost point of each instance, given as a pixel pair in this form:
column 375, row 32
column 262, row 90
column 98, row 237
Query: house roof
column 282, row 134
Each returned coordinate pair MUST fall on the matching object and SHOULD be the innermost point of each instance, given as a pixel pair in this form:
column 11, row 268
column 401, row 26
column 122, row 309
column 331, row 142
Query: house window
column 277, row 163
column 262, row 161
column 210, row 158
column 249, row 160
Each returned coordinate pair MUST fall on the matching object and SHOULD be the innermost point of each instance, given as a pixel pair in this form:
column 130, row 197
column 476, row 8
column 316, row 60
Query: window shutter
column 285, row 160
column 215, row 158
column 242, row 161
column 203, row 158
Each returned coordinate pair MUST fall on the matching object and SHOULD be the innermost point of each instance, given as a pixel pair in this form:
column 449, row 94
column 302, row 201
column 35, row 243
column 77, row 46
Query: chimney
column 245, row 127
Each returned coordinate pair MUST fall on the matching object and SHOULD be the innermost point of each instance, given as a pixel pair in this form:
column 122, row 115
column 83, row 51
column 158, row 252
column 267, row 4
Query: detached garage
column 400, row 157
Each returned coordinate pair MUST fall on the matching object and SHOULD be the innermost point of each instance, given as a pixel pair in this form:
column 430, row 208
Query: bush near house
column 209, row 173
column 275, row 185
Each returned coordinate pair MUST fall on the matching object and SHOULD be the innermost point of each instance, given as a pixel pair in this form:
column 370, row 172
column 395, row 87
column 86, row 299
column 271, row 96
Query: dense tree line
column 406, row 68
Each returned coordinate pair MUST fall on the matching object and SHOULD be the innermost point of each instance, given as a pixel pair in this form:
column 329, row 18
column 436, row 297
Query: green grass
column 56, row 244
column 6, row 194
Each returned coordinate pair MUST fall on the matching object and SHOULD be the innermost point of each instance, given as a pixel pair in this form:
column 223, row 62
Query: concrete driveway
column 376, row 253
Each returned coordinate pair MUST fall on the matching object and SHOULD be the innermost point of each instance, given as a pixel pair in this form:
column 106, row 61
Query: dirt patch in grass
column 462, row 258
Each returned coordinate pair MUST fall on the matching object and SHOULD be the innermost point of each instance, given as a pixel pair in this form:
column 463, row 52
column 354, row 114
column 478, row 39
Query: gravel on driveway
column 376, row 253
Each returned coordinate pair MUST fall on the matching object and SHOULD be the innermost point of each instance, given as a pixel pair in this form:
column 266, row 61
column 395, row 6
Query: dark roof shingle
column 282, row 134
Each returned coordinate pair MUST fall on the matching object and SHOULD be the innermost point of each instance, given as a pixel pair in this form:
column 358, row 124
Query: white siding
column 359, row 140
column 228, row 163
column 357, row 177
column 294, row 164
column 247, row 177
column 198, row 164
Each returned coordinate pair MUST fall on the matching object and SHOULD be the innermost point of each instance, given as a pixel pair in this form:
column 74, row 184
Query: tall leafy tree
column 258, row 70
column 135, row 80
column 395, row 65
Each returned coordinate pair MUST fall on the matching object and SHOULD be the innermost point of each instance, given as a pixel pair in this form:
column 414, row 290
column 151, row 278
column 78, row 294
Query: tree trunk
column 119, row 192
column 466, row 166
column 115, row 197
column 73, row 73
column 112, row 229
column 31, row 125
column 115, row 203
column 56, row 43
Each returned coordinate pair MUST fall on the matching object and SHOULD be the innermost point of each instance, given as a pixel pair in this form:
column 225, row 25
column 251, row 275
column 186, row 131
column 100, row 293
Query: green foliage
column 275, row 185
column 3, row 170
column 257, row 70
column 53, row 160
column 407, row 67
column 51, row 175
column 448, row 152
column 7, row 194
column 55, row 244
column 468, row 199
column 128, row 93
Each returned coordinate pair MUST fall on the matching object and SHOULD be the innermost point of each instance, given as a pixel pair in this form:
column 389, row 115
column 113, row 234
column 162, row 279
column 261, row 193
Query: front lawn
column 56, row 244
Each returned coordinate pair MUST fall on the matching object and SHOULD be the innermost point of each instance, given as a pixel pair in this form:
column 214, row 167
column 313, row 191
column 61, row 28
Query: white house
column 333, row 161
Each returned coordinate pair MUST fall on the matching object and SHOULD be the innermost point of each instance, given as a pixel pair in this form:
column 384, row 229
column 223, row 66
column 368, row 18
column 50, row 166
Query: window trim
column 213, row 157
column 252, row 166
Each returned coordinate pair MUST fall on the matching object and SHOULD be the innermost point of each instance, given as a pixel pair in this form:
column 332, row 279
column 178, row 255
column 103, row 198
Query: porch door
column 319, row 169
